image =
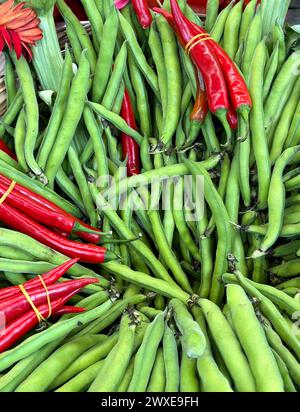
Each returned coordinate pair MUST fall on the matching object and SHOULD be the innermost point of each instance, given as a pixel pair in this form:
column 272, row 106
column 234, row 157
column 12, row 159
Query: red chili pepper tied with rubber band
column 25, row 306
column 239, row 100
column 15, row 306
column 27, row 321
column 48, row 278
column 237, row 88
column 130, row 148
column 46, row 212
column 206, row 61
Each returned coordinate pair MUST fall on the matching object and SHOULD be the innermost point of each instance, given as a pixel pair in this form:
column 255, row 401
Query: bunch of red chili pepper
column 29, row 213
column 226, row 90
column 24, row 307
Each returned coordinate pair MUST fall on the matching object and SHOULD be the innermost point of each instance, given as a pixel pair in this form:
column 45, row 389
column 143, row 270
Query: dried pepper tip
column 19, row 28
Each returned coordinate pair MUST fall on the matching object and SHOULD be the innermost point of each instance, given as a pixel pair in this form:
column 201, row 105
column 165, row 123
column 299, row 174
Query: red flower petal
column 16, row 43
column 6, row 37
column 30, row 36
column 19, row 27
column 5, row 7
column 20, row 18
column 20, row 5
column 19, row 24
column 2, row 43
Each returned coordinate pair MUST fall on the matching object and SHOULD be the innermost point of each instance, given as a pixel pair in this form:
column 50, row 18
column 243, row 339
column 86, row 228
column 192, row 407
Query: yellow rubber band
column 194, row 38
column 35, row 309
column 47, row 294
column 39, row 316
column 197, row 42
column 8, row 192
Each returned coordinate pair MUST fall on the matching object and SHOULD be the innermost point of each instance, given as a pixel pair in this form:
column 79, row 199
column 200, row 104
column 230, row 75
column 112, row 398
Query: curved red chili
column 142, row 11
column 65, row 310
column 14, row 307
column 237, row 87
column 207, row 63
column 232, row 117
column 24, row 323
column 87, row 253
column 130, row 148
column 49, row 278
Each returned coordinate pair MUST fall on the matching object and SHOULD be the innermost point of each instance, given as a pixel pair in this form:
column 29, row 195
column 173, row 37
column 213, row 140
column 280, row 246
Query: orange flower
column 19, row 28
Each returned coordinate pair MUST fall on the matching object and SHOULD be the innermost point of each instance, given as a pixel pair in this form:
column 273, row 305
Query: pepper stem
column 243, row 129
column 80, row 227
column 109, row 256
column 222, row 116
column 244, row 112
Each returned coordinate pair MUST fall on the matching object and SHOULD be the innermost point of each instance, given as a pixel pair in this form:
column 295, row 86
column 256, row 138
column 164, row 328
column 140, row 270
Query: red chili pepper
column 232, row 117
column 37, row 211
column 49, row 278
column 12, row 308
column 237, row 88
column 68, row 309
column 24, row 323
column 59, row 232
column 46, row 212
column 87, row 253
column 6, row 149
column 206, row 61
column 200, row 108
column 129, row 146
column 142, row 12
